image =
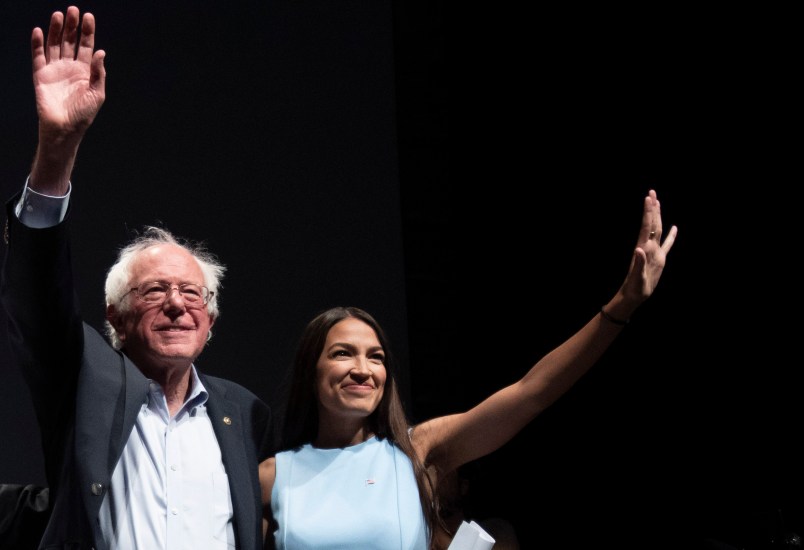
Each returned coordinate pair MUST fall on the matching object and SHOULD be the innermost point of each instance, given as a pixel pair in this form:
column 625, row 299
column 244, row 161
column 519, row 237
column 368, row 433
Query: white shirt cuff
column 38, row 211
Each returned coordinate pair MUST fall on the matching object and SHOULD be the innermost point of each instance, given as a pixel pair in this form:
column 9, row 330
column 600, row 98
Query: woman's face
column 350, row 372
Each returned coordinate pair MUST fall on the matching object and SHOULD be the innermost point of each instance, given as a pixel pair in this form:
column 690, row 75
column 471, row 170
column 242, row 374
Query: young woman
column 354, row 474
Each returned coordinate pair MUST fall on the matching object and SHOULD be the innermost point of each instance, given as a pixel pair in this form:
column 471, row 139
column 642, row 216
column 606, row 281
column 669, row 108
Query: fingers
column 70, row 33
column 652, row 224
column 651, row 219
column 649, row 257
column 87, row 43
column 63, row 37
column 38, row 56
column 53, row 51
column 670, row 239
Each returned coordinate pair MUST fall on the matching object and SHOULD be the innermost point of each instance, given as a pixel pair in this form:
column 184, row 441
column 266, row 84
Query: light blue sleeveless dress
column 361, row 497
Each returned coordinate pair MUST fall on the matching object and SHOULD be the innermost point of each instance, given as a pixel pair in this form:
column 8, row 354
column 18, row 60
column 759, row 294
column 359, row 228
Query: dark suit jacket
column 87, row 395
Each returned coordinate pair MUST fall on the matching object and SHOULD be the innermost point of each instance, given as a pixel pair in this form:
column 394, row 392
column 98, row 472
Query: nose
column 173, row 300
column 361, row 367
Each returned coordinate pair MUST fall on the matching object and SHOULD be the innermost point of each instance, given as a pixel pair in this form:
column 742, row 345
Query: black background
column 474, row 178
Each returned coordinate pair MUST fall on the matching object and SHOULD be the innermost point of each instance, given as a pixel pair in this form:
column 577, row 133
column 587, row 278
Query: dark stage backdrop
column 475, row 179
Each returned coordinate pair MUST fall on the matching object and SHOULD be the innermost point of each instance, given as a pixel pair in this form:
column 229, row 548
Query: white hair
column 118, row 279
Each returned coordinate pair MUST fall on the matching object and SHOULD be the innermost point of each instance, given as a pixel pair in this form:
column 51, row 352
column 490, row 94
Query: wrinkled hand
column 69, row 76
column 650, row 254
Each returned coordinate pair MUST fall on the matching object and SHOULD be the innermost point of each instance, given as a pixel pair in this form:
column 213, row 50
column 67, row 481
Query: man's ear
column 209, row 330
column 116, row 320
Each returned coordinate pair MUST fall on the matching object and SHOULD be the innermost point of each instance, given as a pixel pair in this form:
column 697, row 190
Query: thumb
column 97, row 75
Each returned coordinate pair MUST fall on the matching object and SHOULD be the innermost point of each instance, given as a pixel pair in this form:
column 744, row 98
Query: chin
column 179, row 352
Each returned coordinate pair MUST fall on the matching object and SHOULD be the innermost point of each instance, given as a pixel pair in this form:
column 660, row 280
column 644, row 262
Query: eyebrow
column 352, row 347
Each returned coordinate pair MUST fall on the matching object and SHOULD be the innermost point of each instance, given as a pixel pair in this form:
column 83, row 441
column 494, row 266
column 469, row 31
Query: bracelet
column 611, row 319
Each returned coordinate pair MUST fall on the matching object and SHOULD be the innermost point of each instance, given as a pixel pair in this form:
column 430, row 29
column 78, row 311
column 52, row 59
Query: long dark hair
column 389, row 421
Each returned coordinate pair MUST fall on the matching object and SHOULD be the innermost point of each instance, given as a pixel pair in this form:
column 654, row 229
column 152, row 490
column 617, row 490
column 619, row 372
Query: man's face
column 165, row 334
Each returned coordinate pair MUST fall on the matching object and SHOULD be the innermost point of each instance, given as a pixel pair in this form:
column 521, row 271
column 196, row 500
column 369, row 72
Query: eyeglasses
column 156, row 292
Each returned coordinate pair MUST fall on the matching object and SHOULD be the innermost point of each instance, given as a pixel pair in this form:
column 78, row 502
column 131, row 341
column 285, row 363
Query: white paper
column 471, row 536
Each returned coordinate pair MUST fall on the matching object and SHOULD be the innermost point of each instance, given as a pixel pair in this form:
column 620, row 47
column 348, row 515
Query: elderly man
column 141, row 449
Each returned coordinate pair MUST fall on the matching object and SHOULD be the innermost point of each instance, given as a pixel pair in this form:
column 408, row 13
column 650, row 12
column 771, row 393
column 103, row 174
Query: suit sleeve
column 44, row 324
